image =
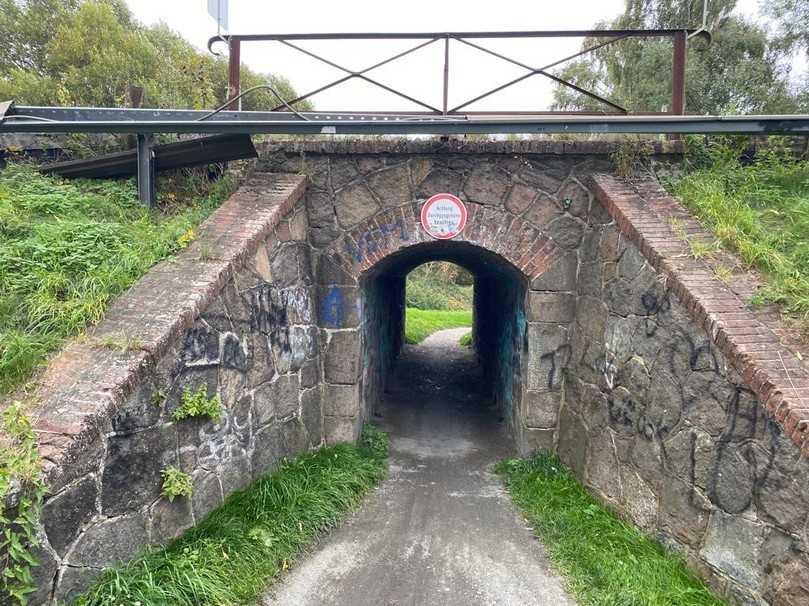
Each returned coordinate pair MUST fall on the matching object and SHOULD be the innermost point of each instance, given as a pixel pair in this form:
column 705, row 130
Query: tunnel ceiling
column 477, row 260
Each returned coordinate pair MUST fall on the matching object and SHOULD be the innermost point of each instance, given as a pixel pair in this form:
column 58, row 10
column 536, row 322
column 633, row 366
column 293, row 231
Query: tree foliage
column 88, row 52
column 738, row 72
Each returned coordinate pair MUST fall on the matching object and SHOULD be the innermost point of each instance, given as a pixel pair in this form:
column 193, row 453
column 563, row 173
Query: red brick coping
column 780, row 380
column 87, row 380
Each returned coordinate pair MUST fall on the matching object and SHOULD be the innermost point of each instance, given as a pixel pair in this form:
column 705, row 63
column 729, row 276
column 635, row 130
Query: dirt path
column 440, row 530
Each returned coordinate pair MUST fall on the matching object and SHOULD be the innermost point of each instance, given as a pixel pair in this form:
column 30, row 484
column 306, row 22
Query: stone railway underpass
column 601, row 338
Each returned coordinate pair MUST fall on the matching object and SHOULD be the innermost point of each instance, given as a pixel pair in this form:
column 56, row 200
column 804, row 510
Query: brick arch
column 521, row 243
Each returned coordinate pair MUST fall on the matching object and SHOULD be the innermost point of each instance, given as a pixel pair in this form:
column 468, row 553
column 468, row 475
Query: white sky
column 420, row 74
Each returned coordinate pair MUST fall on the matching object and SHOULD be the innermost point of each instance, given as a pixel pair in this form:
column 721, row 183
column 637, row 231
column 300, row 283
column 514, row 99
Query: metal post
column 234, row 75
column 446, row 73
column 678, row 74
column 146, row 170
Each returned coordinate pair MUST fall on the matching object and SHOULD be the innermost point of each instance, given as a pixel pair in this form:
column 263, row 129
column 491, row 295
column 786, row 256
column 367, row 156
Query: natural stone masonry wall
column 663, row 414
column 235, row 312
column 602, row 338
column 528, row 205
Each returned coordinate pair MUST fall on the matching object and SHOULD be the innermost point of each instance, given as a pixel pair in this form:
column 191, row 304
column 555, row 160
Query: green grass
column 466, row 340
column 232, row 556
column 761, row 212
column 421, row 323
column 68, row 248
column 607, row 561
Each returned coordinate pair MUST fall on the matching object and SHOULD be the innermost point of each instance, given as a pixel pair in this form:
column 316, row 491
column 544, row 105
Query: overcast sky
column 418, row 75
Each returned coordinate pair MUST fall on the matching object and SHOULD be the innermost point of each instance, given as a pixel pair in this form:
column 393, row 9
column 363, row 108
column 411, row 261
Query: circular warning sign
column 443, row 216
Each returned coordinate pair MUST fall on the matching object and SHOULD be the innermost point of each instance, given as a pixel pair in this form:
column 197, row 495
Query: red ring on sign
column 437, row 198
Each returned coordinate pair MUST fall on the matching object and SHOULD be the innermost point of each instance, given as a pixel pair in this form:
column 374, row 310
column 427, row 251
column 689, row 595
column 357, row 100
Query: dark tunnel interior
column 499, row 325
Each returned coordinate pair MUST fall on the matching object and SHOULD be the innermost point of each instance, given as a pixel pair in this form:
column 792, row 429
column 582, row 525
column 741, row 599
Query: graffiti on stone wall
column 278, row 313
column 555, row 363
column 204, row 346
column 332, row 308
column 369, row 242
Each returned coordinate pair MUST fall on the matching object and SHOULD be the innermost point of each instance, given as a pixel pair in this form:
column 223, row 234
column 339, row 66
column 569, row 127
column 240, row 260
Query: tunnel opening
column 486, row 380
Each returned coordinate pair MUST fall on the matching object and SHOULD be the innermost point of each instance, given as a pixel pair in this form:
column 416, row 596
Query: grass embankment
column 421, row 323
column 760, row 211
column 607, row 561
column 466, row 340
column 232, row 556
column 68, row 248
column 438, row 296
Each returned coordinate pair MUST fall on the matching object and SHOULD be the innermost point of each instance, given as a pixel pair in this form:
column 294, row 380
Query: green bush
column 198, row 404
column 439, row 285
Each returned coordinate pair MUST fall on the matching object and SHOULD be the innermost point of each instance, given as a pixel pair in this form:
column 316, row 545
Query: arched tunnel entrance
column 443, row 381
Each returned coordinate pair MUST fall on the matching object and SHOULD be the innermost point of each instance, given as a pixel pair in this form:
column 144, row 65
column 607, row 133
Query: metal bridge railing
column 472, row 39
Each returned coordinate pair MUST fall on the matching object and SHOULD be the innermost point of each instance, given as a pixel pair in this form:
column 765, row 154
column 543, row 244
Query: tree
column 88, row 52
column 739, row 72
column 792, row 18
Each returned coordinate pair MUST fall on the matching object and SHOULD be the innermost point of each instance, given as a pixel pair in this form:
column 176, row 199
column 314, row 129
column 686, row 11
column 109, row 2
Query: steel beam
column 108, row 120
column 147, row 192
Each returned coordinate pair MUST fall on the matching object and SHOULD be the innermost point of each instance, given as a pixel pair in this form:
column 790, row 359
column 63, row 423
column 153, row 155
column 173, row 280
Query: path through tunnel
column 441, row 529
column 439, row 383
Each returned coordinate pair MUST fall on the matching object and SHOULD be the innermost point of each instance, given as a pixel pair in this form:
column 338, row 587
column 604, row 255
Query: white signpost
column 218, row 9
column 443, row 216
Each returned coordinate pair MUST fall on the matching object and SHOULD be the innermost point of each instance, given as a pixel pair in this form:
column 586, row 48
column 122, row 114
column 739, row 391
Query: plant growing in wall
column 20, row 469
column 198, row 404
column 176, row 483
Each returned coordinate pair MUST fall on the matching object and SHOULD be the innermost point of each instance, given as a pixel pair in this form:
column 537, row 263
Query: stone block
column 683, row 512
column 234, row 472
column 73, row 581
column 342, row 359
column 139, row 411
column 732, row 545
column 43, row 574
column 439, row 180
column 536, row 440
column 541, row 408
column 391, row 185
column 602, row 467
column 267, row 449
column 354, row 204
column 542, row 211
column 310, row 374
column 207, row 494
column 566, row 231
column 169, row 519
column 519, row 198
column 560, row 276
column 111, row 541
column 639, row 501
column 341, row 400
column 487, row 184
column 285, row 265
column 341, row 429
column 574, row 198
column 551, row 307
column 339, row 306
column 64, row 515
column 312, row 414
column 132, row 471
column 572, row 446
column 548, row 355
column 276, row 400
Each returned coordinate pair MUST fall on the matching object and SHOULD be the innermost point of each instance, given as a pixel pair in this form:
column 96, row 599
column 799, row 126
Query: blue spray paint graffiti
column 332, row 308
column 368, row 243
